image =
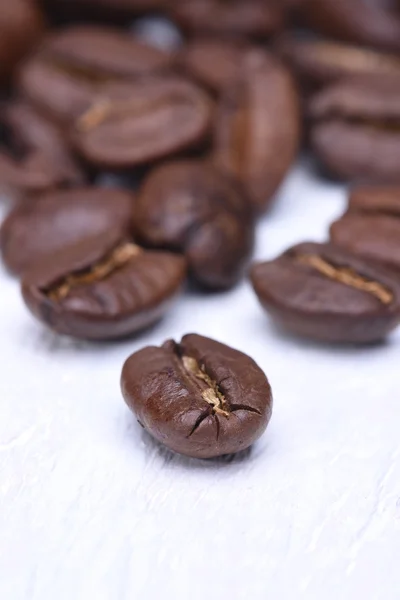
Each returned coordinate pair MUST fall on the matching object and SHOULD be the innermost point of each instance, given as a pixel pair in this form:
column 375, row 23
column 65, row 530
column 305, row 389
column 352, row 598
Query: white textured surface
column 90, row 507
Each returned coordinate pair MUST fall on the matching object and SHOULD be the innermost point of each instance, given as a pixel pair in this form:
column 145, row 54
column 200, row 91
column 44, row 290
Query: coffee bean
column 188, row 206
column 58, row 219
column 328, row 294
column 199, row 397
column 371, row 227
column 356, row 130
column 255, row 18
column 71, row 67
column 21, row 24
column 134, row 124
column 34, row 156
column 103, row 288
column 116, row 11
column 258, row 127
column 214, row 63
column 375, row 23
column 318, row 61
column 100, row 52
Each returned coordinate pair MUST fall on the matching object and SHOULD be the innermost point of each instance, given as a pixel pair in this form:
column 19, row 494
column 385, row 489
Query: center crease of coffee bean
column 119, row 257
column 212, row 394
column 346, row 276
column 103, row 109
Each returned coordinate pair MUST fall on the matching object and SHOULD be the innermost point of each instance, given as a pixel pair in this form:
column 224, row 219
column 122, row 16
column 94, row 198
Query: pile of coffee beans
column 197, row 137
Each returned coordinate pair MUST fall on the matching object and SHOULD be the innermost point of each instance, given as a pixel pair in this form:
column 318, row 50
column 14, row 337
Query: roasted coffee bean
column 375, row 23
column 328, row 294
column 135, row 124
column 116, row 11
column 199, row 397
column 34, row 156
column 251, row 18
column 35, row 230
column 214, row 63
column 104, row 52
column 71, row 66
column 21, row 25
column 356, row 128
column 103, row 288
column 189, row 206
column 258, row 127
column 318, row 61
column 371, row 227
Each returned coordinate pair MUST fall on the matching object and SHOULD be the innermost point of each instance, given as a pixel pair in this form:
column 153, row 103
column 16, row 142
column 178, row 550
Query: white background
column 90, row 507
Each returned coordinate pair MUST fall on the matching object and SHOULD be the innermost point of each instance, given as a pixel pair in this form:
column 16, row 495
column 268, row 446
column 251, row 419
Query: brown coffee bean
column 35, row 230
column 21, row 25
column 135, row 124
column 199, row 397
column 190, row 207
column 318, row 61
column 328, row 294
column 101, row 52
column 258, row 127
column 116, row 11
column 372, row 22
column 103, row 288
column 254, row 18
column 214, row 63
column 71, row 67
column 356, row 130
column 371, row 227
column 34, row 156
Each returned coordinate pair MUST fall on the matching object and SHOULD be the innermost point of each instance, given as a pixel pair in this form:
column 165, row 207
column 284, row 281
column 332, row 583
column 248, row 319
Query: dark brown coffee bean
column 71, row 67
column 34, row 156
column 135, row 124
column 214, row 63
column 103, row 52
column 21, row 25
column 372, row 22
column 258, row 127
column 254, row 18
column 58, row 219
column 57, row 93
column 356, row 130
column 328, row 294
column 371, row 227
column 117, row 11
column 199, row 398
column 103, row 288
column 318, row 62
column 188, row 206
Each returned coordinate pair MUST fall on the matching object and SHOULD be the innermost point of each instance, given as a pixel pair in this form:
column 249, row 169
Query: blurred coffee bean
column 135, row 124
column 103, row 288
column 71, row 67
column 356, row 128
column 214, row 63
column 237, row 18
column 104, row 52
column 328, row 294
column 55, row 220
column 258, row 127
column 34, row 156
column 318, row 61
column 374, row 23
column 371, row 226
column 21, row 25
column 115, row 11
column 188, row 206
